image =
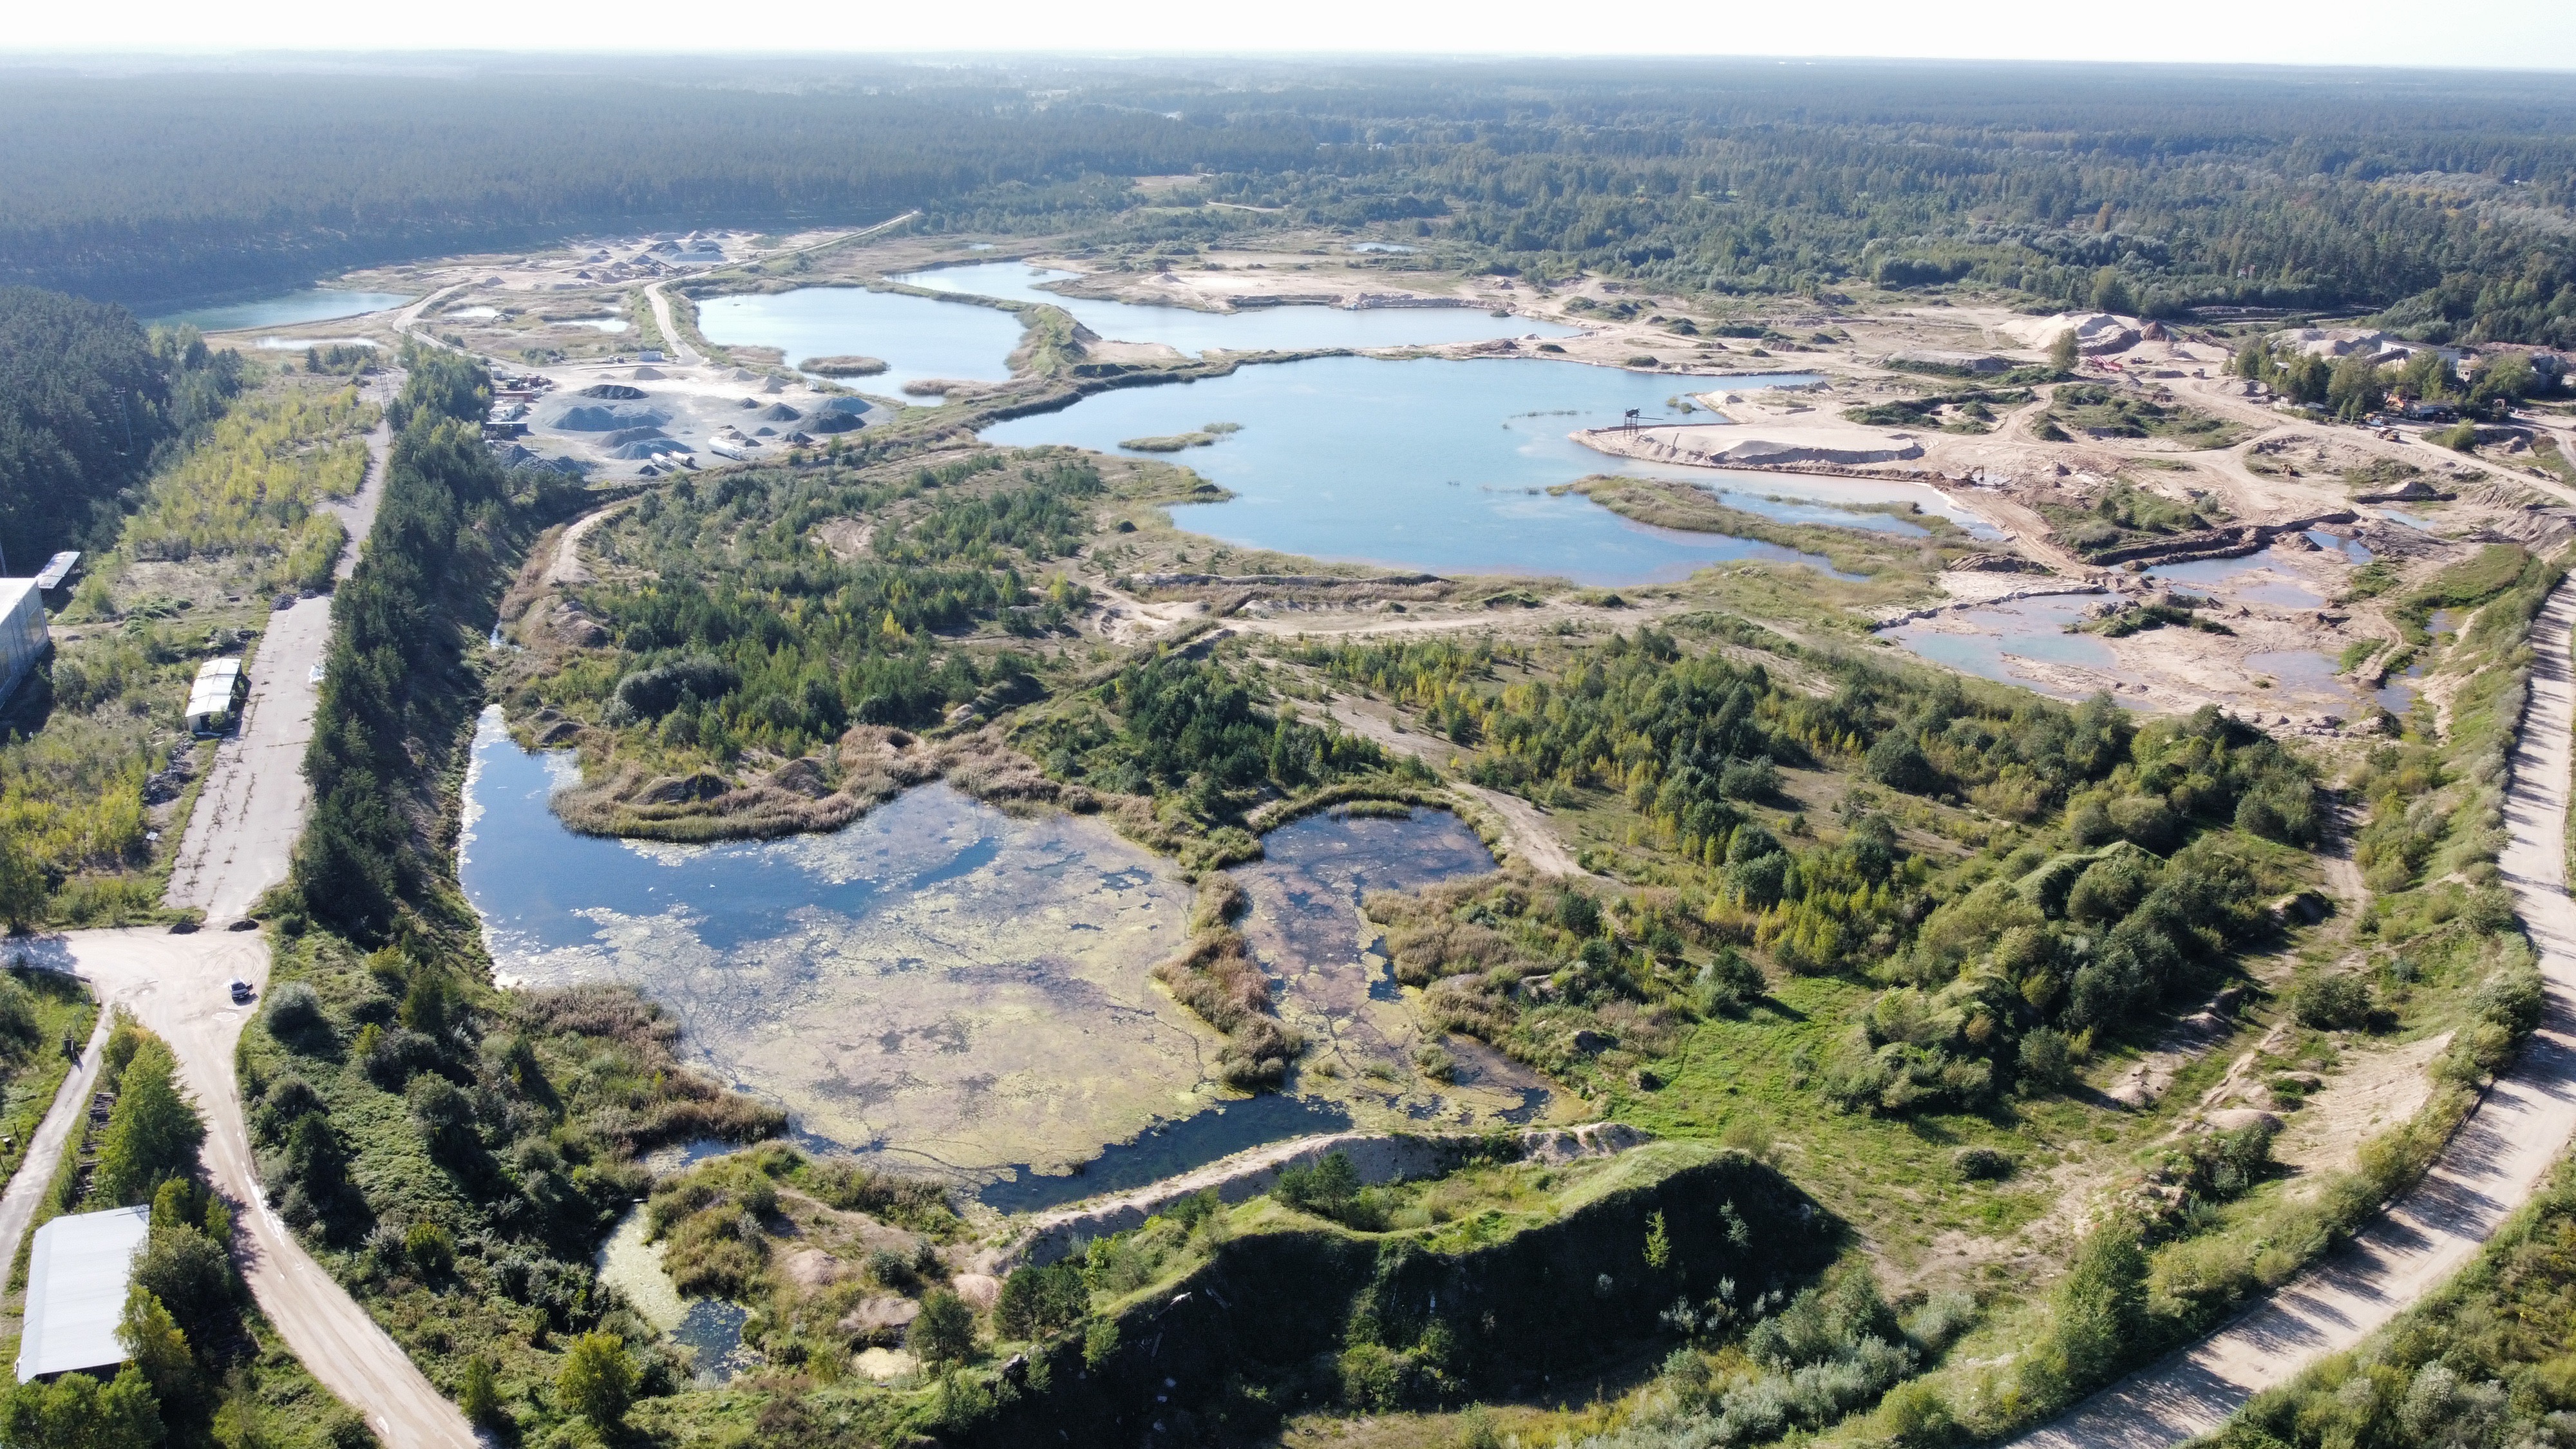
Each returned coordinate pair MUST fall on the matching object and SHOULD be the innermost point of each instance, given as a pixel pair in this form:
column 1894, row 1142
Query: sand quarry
column 2284, row 600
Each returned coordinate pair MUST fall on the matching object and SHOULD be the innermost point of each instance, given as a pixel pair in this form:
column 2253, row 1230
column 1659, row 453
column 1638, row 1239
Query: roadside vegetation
column 45, row 1017
column 213, row 508
column 452, row 1153
column 2481, row 1360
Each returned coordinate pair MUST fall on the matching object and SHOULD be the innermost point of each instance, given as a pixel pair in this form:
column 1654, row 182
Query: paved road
column 2489, row 1169
column 241, row 836
column 178, row 986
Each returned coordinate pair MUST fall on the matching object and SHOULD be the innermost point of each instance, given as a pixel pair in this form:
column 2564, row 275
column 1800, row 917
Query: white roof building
column 76, row 1284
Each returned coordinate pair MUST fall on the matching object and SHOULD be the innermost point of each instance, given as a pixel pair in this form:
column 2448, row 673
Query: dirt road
column 45, row 1149
column 238, row 844
column 566, row 568
column 681, row 351
column 2489, row 1169
column 178, row 986
column 241, row 836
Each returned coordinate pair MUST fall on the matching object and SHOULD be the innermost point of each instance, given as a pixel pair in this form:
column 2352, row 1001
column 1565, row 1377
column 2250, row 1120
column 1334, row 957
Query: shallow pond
column 2298, row 670
column 919, row 339
column 287, row 309
column 710, row 1329
column 1256, row 329
column 1337, row 985
column 2396, row 694
column 2351, row 548
column 1991, row 642
column 939, row 981
column 1444, row 466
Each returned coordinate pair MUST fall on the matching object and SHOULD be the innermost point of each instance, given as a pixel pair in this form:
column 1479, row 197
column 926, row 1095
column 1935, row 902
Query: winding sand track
column 2492, row 1166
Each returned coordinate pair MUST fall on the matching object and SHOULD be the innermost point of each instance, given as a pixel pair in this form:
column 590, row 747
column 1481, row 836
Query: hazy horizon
column 2476, row 34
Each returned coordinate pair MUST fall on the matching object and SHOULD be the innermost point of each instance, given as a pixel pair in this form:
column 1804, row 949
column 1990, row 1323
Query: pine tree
column 154, row 1131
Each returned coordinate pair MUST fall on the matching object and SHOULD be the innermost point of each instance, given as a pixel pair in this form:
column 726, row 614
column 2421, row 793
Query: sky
column 2511, row 34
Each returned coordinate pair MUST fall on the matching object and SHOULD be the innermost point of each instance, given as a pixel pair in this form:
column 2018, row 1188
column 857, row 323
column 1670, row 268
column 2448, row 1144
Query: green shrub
column 598, row 1379
column 2331, row 1002
column 1038, row 1301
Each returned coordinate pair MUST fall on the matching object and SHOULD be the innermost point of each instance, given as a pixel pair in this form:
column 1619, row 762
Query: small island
column 1176, row 442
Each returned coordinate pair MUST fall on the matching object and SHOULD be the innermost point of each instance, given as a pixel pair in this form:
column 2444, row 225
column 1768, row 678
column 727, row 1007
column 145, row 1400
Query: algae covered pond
column 938, row 981
column 1337, row 986
column 945, row 985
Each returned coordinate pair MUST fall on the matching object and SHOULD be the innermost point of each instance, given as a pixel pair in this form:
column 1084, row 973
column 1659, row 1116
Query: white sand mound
column 2095, row 332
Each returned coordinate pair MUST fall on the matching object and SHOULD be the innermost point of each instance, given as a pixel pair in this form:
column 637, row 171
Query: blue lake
column 920, row 340
column 1256, row 329
column 1444, row 466
column 287, row 309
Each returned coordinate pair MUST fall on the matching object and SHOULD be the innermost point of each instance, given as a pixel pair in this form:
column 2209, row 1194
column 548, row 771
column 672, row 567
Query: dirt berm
column 1256, row 1331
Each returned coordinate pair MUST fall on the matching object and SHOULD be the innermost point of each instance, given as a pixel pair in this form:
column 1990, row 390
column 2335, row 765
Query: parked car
column 241, row 991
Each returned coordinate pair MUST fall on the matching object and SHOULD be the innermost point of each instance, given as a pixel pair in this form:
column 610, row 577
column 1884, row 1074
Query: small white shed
column 215, row 695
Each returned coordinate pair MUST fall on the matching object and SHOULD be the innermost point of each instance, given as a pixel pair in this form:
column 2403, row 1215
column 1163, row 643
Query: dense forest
column 2159, row 189
column 88, row 403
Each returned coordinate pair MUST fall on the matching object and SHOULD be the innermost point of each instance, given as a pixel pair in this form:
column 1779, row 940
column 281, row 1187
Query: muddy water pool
column 2001, row 641
column 948, row 987
column 1444, row 465
column 1256, row 329
column 2261, row 578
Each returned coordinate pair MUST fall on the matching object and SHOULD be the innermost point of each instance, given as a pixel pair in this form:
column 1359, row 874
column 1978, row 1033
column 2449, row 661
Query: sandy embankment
column 1712, row 447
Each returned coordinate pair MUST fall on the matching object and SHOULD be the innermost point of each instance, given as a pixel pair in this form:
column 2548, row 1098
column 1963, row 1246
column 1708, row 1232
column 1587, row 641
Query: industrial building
column 22, row 632
column 77, row 1277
